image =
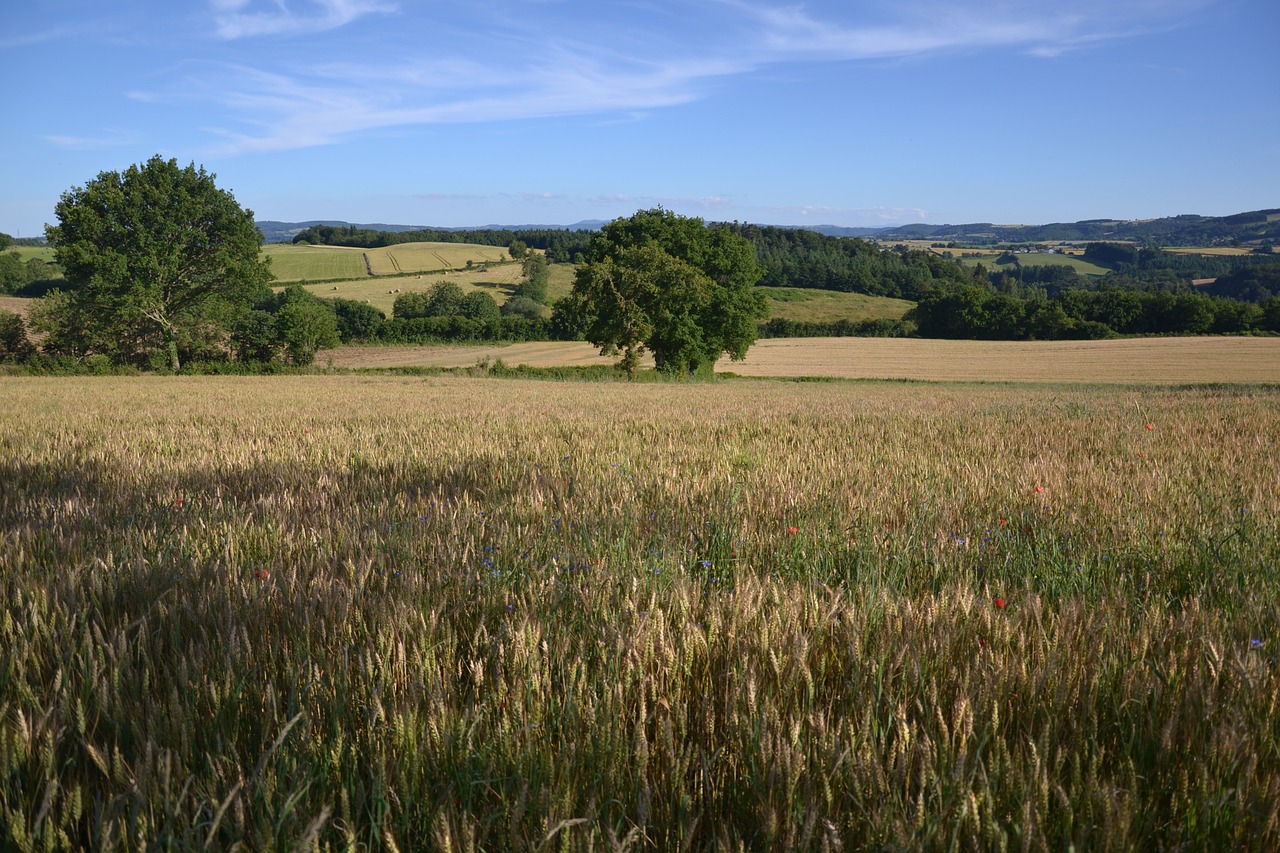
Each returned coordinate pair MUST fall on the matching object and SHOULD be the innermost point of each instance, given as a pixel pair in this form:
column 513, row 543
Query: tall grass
column 401, row 613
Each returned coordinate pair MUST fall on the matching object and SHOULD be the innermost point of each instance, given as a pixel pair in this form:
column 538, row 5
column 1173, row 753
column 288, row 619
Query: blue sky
column 474, row 112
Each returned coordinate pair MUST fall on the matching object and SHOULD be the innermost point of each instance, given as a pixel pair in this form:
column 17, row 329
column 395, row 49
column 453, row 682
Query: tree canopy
column 671, row 285
column 158, row 259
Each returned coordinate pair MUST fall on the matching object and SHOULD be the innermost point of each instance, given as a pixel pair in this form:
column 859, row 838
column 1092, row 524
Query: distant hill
column 1253, row 227
column 1186, row 230
column 283, row 232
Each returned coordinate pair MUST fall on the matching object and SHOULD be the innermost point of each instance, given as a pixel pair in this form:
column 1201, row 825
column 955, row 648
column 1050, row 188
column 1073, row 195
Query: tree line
column 971, row 312
column 560, row 245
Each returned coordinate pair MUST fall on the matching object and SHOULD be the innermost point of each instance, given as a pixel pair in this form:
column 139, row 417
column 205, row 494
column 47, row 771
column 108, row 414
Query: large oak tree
column 671, row 285
column 157, row 256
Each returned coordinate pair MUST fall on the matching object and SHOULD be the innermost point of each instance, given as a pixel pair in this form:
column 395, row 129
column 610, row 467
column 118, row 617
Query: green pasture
column 314, row 263
column 1036, row 259
column 828, row 306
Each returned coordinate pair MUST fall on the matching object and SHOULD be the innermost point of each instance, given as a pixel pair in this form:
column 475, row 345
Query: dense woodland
column 1186, row 230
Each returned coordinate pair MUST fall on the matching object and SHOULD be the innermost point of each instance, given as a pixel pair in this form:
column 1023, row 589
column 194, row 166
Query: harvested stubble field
column 1170, row 361
column 405, row 613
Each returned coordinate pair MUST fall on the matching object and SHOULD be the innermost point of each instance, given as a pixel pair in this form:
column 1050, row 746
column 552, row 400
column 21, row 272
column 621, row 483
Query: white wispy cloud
column 539, row 69
column 237, row 19
column 108, row 138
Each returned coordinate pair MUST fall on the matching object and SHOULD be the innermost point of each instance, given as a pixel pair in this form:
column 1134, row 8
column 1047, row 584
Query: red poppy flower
column 1151, row 426
column 261, row 573
column 793, row 530
column 1039, row 489
column 1003, row 522
column 999, row 604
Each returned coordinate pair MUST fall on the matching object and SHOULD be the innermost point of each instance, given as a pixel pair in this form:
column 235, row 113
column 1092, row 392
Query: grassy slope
column 828, row 306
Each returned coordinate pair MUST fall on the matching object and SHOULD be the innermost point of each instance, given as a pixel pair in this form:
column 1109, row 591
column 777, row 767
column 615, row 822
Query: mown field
column 434, row 613
column 319, row 263
column 1035, row 259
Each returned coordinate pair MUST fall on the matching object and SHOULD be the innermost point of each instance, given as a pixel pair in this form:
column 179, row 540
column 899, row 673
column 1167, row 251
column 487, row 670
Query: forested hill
column 797, row 257
column 1188, row 230
column 790, row 257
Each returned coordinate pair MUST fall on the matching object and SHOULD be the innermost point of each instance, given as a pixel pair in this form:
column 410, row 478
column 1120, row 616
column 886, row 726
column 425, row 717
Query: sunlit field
column 381, row 612
column 1161, row 361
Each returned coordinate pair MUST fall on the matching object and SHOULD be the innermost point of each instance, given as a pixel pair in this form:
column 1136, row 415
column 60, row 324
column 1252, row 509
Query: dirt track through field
column 1145, row 360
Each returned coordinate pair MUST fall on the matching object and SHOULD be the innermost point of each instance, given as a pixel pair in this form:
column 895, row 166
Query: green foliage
column 442, row 300
column 795, row 257
column 159, row 254
column 668, row 284
column 357, row 320
column 305, row 327
column 518, row 250
column 479, row 306
column 976, row 312
column 14, row 343
column 254, row 337
column 521, row 306
column 536, row 275
column 5, row 241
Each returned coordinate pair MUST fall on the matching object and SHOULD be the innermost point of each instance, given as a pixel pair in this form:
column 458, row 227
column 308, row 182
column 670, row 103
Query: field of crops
column 331, row 263
column 408, row 613
column 418, row 257
column 1160, row 361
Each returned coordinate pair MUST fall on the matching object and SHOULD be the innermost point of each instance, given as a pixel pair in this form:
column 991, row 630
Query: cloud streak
column 237, row 19
column 539, row 69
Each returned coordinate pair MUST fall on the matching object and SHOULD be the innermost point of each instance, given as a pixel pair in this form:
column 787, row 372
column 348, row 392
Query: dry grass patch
column 16, row 304
column 1133, row 360
column 424, row 257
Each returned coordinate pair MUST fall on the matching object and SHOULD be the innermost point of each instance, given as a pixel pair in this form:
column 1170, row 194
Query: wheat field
column 1165, row 361
column 402, row 613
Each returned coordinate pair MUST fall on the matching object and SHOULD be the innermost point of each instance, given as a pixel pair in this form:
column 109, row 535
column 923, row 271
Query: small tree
column 537, row 273
column 670, row 285
column 305, row 328
column 518, row 249
column 14, row 343
column 161, row 251
column 478, row 305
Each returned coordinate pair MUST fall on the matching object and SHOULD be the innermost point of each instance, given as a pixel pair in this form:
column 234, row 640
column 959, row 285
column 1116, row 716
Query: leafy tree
column 442, row 300
column 520, row 306
column 668, row 284
column 305, row 324
column 5, row 241
column 357, row 320
column 13, row 274
column 14, row 343
column 158, row 249
column 518, row 250
column 254, row 337
column 536, row 271
column 478, row 305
